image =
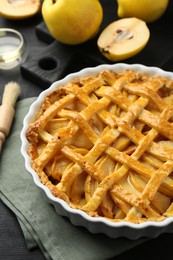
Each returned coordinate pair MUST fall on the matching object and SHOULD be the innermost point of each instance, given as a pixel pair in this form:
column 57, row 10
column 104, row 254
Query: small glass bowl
column 12, row 48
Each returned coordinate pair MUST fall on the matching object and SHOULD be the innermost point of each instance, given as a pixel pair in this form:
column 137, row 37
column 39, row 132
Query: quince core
column 123, row 38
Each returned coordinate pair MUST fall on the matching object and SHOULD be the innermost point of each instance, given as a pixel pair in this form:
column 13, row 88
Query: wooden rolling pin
column 10, row 95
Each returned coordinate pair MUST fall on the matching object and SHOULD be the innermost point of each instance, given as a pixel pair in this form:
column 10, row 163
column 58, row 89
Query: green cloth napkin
column 57, row 238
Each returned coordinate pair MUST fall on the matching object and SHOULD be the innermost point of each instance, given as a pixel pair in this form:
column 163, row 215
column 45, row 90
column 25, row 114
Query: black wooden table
column 158, row 53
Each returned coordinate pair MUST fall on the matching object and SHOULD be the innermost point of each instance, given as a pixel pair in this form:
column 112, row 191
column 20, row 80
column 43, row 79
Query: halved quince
column 123, row 38
column 19, row 9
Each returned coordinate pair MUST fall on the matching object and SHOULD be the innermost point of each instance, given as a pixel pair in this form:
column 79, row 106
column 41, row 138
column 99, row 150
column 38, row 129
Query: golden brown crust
column 104, row 144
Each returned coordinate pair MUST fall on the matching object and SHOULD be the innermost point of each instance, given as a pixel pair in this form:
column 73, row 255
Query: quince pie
column 104, row 144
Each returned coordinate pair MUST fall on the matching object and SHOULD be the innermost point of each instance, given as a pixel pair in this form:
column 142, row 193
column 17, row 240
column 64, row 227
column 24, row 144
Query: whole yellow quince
column 147, row 10
column 72, row 21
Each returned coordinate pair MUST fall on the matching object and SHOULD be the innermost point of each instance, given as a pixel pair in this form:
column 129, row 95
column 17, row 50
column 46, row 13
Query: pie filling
column 104, row 144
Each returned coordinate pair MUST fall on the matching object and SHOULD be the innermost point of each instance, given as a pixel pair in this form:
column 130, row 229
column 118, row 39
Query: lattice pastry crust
column 104, row 144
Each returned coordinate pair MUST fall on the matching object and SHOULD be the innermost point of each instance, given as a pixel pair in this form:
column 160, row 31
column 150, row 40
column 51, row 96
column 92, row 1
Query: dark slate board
column 57, row 60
